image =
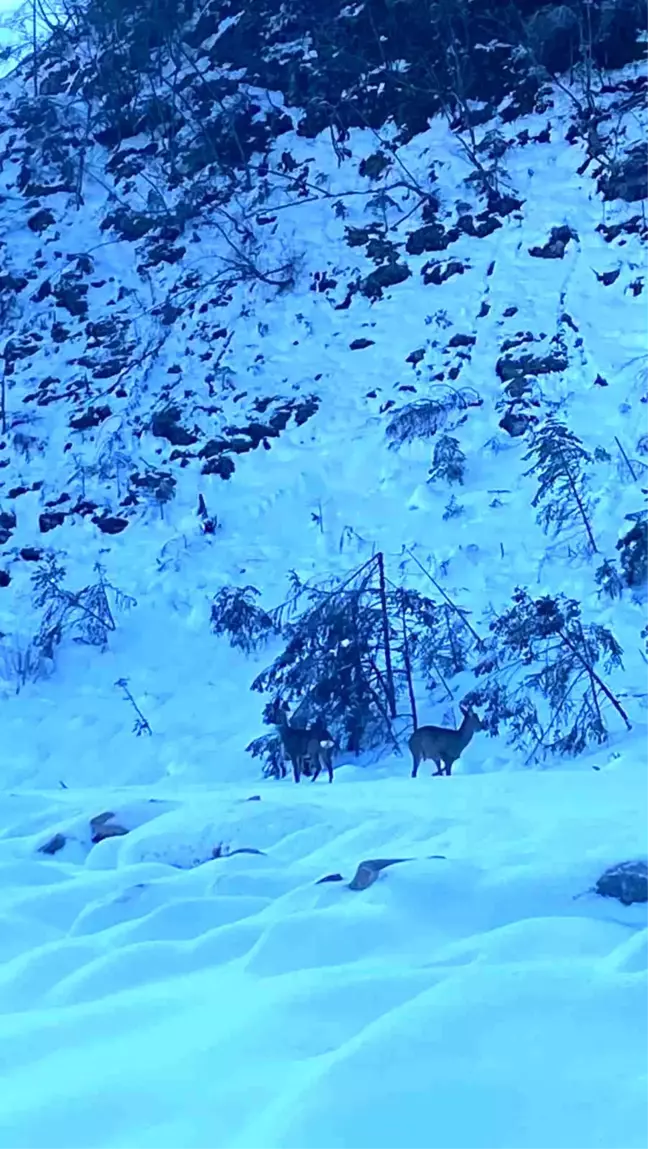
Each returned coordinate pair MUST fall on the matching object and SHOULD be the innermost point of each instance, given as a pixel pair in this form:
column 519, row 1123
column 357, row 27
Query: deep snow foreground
column 153, row 996
column 148, row 1000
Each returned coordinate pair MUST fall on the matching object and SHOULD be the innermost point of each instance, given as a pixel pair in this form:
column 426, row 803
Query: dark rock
column 5, row 578
column 627, row 882
column 431, row 237
column 304, row 409
column 14, row 283
column 518, row 388
column 600, row 381
column 510, row 312
column 510, row 368
column 374, row 165
column 466, row 224
column 31, row 554
column 382, row 250
column 220, row 465
column 632, row 226
column 109, row 368
column 358, row 236
column 213, row 447
column 130, row 225
column 503, row 204
column 165, row 425
column 102, row 827
column 415, row 357
column 607, row 278
column 164, row 253
column 90, row 418
column 555, row 246
column 53, row 845
column 627, row 179
column 21, row 347
column 360, row 344
column 368, row 872
column 486, row 227
column 516, row 423
column 438, row 273
column 7, row 520
column 460, row 340
column 41, row 220
column 110, row 524
column 84, row 507
column 36, row 190
column 43, row 292
column 49, row 520
column 386, row 276
column 70, row 294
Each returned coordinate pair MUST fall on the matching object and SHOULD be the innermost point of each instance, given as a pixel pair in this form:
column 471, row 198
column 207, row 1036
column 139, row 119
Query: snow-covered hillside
column 246, row 355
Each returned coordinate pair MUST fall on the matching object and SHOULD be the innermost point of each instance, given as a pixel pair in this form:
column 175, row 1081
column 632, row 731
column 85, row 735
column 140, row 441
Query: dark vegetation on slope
column 108, row 72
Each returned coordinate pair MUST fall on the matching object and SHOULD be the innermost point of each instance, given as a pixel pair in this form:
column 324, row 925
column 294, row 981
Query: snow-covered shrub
column 22, row 661
column 448, row 461
column 235, row 614
column 85, row 615
column 559, row 462
column 633, row 548
column 422, row 419
column 609, row 580
column 540, row 676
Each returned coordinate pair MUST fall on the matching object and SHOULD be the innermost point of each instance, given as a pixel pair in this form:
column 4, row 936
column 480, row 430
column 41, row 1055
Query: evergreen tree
column 634, row 550
column 235, row 614
column 540, row 675
column 559, row 462
column 449, row 461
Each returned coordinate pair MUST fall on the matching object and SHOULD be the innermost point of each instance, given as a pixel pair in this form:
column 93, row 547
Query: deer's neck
column 466, row 731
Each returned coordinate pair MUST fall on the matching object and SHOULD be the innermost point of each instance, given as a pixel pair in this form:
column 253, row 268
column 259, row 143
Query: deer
column 442, row 745
column 313, row 745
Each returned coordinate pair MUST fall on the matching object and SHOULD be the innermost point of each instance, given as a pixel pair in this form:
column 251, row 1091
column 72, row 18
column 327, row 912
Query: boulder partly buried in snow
column 627, row 881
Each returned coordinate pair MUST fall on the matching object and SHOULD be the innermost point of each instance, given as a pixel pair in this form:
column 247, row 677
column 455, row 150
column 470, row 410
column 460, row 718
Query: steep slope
column 203, row 379
column 140, row 372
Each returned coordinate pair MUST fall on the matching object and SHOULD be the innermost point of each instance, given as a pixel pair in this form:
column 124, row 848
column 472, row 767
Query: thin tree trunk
column 599, row 682
column 625, row 458
column 3, row 402
column 35, row 46
column 578, row 501
column 478, row 640
column 389, row 671
column 407, row 662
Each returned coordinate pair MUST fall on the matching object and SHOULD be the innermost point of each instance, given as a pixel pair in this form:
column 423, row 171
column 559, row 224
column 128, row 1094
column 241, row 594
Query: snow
column 465, row 1002
column 154, row 995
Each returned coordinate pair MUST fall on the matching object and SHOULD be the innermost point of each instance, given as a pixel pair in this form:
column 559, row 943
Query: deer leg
column 447, row 768
column 329, row 767
column 296, row 765
column 416, row 763
column 318, row 769
column 439, row 767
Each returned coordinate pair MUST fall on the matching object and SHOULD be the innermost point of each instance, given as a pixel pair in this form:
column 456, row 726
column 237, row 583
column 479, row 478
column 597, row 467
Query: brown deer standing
column 442, row 745
column 313, row 745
